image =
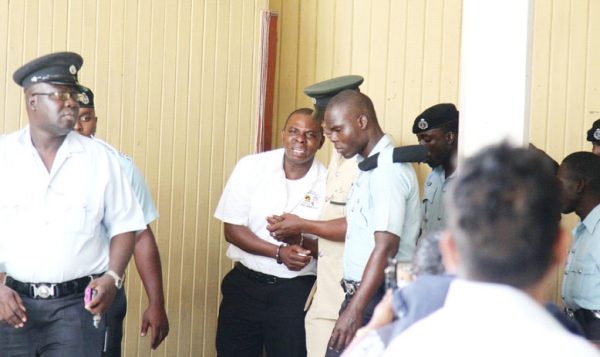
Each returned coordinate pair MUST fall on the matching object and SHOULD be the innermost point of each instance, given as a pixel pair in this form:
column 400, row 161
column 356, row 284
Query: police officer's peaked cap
column 56, row 68
column 434, row 117
column 593, row 134
column 323, row 91
column 88, row 98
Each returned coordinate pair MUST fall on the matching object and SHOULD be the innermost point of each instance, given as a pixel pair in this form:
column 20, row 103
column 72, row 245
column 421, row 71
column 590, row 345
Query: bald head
column 353, row 102
column 351, row 124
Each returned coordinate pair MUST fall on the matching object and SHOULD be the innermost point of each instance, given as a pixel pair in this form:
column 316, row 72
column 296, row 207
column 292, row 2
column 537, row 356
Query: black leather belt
column 258, row 276
column 583, row 314
column 50, row 290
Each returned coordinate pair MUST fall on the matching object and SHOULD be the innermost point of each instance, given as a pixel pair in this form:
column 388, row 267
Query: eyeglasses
column 87, row 118
column 64, row 96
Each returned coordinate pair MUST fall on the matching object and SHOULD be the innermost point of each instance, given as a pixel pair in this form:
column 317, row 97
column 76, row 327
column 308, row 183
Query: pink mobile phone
column 88, row 296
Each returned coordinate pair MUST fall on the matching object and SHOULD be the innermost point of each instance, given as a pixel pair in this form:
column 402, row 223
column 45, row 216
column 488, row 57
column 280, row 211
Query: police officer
column 593, row 136
column 146, row 255
column 67, row 221
column 437, row 129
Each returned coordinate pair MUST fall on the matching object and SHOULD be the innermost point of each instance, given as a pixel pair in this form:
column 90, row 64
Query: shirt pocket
column 13, row 211
column 363, row 208
column 73, row 217
column 586, row 277
column 429, row 194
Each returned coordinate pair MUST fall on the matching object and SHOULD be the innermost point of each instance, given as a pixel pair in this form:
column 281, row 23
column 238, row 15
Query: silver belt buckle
column 43, row 291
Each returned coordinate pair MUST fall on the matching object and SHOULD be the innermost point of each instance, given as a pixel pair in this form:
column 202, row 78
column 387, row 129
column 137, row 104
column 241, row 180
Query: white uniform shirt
column 257, row 188
column 483, row 319
column 54, row 225
column 135, row 178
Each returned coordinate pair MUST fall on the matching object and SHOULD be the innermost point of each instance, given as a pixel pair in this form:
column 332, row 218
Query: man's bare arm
column 386, row 246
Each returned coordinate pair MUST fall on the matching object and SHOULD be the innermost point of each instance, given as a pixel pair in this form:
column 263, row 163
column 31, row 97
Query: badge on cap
column 422, row 124
column 597, row 134
column 85, row 100
column 73, row 69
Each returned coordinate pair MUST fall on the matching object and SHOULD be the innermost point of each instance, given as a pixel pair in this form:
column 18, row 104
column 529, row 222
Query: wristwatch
column 118, row 279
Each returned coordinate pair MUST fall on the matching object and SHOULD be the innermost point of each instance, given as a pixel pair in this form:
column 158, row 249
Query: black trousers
column 54, row 328
column 260, row 313
column 367, row 315
column 114, row 317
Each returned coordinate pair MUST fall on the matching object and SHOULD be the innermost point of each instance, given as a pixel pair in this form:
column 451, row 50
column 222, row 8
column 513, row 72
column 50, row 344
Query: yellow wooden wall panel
column 575, row 97
column 5, row 77
column 376, row 49
column 592, row 84
column 542, row 24
column 307, row 32
column 14, row 116
column 395, row 69
column 450, row 64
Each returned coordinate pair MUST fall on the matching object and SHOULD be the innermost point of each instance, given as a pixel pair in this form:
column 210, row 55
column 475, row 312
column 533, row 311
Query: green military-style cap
column 55, row 68
column 323, row 91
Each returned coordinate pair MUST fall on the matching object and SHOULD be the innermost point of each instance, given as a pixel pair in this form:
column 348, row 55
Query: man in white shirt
column 504, row 237
column 264, row 294
column 67, row 221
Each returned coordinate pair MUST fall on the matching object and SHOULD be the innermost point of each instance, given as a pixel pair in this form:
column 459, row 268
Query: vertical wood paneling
column 175, row 87
column 5, row 77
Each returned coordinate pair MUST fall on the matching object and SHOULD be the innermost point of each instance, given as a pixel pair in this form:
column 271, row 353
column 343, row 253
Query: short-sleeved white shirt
column 135, row 178
column 54, row 226
column 258, row 188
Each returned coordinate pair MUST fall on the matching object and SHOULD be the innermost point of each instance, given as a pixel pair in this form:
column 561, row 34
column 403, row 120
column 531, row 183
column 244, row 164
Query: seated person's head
column 504, row 216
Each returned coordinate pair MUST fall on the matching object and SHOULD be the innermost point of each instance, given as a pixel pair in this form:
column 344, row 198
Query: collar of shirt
column 71, row 144
column 589, row 223
column 383, row 143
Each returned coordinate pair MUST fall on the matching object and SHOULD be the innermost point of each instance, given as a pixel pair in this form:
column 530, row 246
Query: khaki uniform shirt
column 328, row 294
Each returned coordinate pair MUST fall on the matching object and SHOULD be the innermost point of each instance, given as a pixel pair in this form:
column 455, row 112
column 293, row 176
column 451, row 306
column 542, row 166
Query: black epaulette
column 410, row 153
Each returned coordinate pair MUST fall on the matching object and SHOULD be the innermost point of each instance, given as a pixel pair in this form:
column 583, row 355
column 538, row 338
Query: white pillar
column 495, row 73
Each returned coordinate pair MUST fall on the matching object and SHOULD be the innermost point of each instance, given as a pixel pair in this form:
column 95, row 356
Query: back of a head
column 504, row 214
column 354, row 101
column 586, row 166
